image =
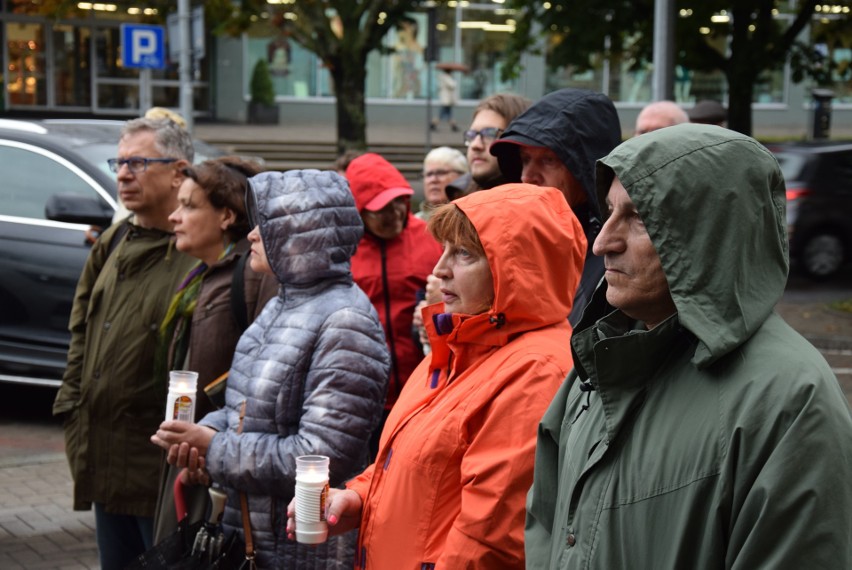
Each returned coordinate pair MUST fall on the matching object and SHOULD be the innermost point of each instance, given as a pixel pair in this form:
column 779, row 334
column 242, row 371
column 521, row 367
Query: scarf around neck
column 176, row 327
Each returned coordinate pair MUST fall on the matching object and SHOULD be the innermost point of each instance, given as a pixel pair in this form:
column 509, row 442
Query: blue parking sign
column 143, row 46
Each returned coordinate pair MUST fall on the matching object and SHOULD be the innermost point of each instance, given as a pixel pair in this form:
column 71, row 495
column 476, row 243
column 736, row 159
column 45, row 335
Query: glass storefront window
column 569, row 76
column 108, row 54
column 118, row 95
column 836, row 48
column 26, row 68
column 73, row 78
column 408, row 69
column 402, row 74
column 484, row 34
column 293, row 68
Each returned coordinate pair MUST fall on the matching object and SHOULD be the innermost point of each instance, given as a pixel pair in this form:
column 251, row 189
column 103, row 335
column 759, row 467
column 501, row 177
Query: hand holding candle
column 311, row 494
column 180, row 404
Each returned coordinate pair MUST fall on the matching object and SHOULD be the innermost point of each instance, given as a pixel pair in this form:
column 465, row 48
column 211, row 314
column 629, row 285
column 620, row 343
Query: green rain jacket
column 109, row 397
column 719, row 439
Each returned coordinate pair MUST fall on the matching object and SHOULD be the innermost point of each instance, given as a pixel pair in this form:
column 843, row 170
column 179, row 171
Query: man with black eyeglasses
column 490, row 119
column 556, row 143
column 110, row 399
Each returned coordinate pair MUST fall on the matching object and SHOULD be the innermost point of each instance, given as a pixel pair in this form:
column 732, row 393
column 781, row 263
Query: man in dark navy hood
column 556, row 143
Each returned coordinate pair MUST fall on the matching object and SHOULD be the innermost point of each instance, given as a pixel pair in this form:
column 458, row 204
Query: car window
column 31, row 175
column 791, row 165
column 97, row 154
column 842, row 175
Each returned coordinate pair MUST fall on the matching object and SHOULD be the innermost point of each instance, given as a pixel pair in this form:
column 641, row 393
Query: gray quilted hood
column 308, row 222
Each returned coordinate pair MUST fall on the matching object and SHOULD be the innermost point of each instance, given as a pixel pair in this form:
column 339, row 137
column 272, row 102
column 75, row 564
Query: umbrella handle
column 217, row 505
column 180, row 501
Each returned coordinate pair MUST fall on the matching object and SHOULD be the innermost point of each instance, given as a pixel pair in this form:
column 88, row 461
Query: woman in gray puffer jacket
column 312, row 368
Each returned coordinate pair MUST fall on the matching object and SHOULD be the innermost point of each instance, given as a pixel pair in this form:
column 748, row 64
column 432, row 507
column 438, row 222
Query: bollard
column 822, row 113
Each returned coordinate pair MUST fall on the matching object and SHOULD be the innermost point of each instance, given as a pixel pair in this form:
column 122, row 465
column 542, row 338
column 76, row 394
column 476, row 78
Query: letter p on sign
column 143, row 46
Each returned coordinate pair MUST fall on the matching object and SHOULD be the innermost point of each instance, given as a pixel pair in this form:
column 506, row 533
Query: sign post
column 143, row 47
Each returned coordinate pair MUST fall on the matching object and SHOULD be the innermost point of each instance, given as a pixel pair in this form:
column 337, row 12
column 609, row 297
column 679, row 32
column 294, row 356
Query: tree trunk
column 743, row 67
column 740, row 94
column 349, row 85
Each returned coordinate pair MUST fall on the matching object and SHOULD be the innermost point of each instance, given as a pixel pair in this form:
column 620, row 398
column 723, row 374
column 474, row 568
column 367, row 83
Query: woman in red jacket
column 448, row 487
column 392, row 261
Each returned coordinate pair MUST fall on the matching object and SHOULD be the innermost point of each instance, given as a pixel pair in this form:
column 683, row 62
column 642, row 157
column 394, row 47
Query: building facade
column 73, row 65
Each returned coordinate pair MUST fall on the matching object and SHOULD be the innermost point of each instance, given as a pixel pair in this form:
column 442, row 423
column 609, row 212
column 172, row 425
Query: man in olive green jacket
column 109, row 397
column 697, row 430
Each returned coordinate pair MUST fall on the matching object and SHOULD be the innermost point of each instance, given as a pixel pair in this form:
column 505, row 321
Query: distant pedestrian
column 658, row 115
column 447, row 97
column 110, row 394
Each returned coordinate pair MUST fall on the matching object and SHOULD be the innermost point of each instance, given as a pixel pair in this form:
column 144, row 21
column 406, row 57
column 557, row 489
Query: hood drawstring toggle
column 499, row 320
column 588, row 388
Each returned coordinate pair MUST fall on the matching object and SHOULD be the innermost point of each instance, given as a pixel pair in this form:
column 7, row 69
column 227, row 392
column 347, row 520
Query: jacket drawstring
column 588, row 388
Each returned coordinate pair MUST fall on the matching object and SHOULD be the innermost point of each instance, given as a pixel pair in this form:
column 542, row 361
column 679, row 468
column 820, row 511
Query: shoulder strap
column 238, row 293
column 119, row 234
column 244, row 503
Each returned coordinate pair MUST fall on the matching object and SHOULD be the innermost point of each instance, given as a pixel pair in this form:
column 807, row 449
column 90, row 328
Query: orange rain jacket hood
column 455, row 461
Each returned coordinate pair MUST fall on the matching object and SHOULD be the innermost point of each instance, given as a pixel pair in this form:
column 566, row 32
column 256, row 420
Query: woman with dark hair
column 203, row 322
column 455, row 461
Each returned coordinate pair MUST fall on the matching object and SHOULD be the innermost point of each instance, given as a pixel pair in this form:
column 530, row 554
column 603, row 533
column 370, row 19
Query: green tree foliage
column 752, row 42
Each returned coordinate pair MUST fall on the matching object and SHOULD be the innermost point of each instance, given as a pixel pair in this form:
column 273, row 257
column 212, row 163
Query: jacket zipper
column 389, row 325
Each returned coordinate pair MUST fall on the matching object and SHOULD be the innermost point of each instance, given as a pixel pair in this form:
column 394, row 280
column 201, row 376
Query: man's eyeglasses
column 488, row 134
column 136, row 164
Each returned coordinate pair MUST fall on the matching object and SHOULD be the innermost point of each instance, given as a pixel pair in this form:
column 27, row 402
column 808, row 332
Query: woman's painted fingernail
column 332, row 520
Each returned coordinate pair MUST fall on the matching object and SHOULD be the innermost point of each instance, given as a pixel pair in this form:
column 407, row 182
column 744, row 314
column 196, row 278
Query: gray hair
column 171, row 140
column 453, row 158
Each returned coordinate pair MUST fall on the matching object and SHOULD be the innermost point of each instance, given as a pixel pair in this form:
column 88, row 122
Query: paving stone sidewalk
column 38, row 529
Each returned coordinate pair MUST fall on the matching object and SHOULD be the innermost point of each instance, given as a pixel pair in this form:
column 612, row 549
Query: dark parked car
column 819, row 205
column 54, row 184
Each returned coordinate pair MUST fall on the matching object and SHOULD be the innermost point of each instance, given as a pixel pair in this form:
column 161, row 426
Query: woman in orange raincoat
column 448, row 488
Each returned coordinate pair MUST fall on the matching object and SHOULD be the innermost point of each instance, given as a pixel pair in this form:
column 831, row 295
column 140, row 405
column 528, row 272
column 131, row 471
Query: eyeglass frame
column 470, row 135
column 440, row 173
column 115, row 164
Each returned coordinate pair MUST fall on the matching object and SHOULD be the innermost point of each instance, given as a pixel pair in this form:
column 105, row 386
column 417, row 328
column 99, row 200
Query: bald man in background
column 659, row 114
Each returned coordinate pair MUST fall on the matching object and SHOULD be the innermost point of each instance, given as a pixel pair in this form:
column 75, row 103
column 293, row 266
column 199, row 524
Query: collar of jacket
column 621, row 360
column 484, row 330
column 153, row 234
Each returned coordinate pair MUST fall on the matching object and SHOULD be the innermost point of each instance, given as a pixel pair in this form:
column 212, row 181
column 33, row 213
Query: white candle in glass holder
column 311, row 495
column 180, row 404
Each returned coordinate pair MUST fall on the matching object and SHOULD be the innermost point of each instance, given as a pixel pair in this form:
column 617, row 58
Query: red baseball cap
column 375, row 182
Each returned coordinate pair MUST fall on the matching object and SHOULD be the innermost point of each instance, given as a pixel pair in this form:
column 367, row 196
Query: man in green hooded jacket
column 697, row 430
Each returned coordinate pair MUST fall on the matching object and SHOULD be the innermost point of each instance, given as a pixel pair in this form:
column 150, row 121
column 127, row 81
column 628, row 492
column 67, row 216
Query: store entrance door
column 27, row 75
